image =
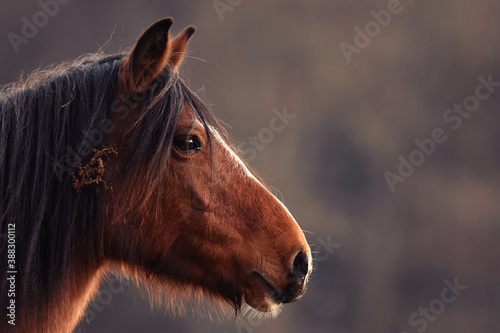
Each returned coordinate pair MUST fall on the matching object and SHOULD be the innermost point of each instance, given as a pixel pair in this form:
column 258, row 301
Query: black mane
column 49, row 124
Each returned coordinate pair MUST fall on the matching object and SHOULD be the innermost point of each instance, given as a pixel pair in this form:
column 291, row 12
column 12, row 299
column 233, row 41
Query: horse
column 110, row 163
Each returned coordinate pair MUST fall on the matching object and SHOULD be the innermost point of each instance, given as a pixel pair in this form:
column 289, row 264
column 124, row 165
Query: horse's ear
column 179, row 46
column 147, row 59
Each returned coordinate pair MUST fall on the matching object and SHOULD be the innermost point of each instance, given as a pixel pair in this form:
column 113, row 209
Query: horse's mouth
column 272, row 292
column 274, row 296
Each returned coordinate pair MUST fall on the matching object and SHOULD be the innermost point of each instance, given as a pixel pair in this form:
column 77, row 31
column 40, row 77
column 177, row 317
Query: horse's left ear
column 147, row 59
column 151, row 54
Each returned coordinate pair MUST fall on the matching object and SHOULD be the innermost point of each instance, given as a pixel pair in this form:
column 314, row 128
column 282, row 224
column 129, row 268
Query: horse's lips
column 289, row 295
column 268, row 287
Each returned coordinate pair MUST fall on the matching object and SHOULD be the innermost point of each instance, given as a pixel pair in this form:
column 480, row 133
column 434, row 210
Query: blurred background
column 406, row 238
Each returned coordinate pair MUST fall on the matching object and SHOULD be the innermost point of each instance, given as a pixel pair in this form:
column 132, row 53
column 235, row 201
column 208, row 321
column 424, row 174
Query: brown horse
column 111, row 163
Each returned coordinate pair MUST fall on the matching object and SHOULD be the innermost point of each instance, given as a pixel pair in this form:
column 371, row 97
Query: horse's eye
column 189, row 144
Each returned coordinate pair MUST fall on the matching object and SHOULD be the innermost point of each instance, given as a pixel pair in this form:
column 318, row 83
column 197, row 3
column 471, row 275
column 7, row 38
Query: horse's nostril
column 301, row 265
column 296, row 279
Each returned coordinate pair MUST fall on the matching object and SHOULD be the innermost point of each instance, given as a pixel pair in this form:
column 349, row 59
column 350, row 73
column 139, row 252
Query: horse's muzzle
column 295, row 287
column 295, row 282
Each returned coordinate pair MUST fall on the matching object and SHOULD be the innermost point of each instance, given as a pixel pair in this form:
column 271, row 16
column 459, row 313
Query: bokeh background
column 382, row 255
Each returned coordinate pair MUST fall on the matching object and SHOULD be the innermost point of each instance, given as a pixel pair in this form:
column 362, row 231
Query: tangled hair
column 51, row 124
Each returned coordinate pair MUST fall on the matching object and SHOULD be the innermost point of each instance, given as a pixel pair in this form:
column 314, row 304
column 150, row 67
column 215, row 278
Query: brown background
column 393, row 249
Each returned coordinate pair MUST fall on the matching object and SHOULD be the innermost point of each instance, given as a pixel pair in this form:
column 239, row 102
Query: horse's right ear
column 147, row 59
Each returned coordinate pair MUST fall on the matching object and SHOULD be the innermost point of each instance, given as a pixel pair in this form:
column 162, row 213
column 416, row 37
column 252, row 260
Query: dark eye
column 187, row 144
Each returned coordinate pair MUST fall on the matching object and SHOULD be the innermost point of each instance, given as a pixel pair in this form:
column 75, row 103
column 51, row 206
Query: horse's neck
column 65, row 310
column 83, row 292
